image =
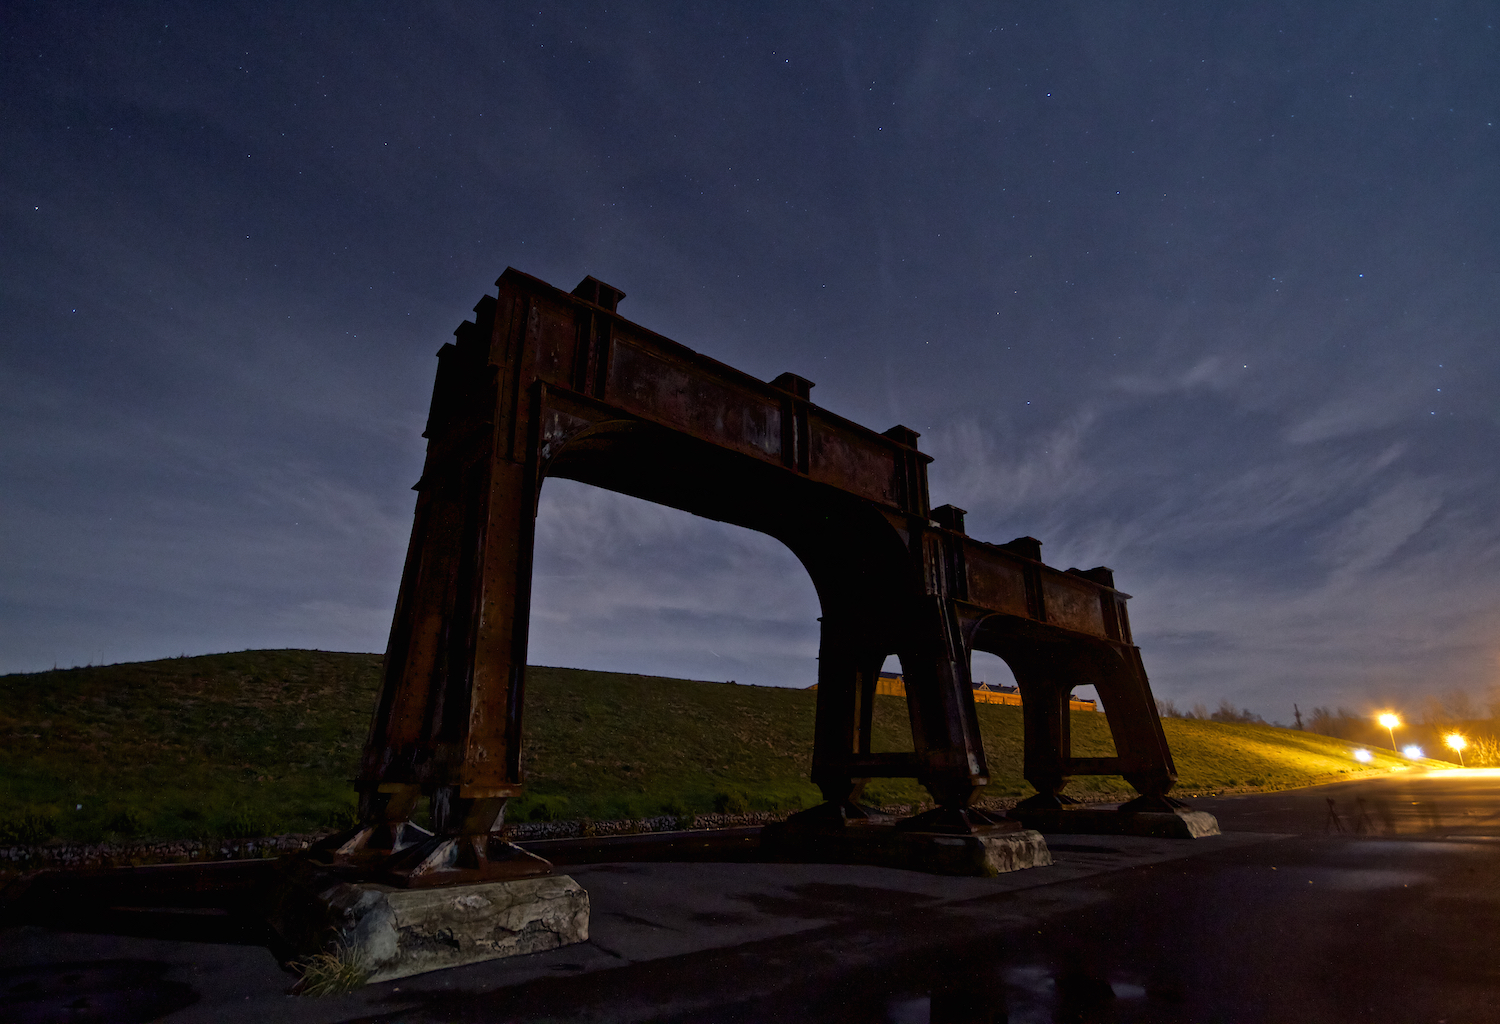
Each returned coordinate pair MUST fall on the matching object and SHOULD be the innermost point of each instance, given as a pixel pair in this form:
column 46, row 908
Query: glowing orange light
column 1390, row 721
column 1457, row 742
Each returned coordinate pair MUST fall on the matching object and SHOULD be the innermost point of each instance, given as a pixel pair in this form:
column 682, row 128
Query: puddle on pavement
column 116, row 991
column 1024, row 994
column 1368, row 879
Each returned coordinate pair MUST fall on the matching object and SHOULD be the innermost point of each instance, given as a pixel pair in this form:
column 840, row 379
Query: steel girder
column 548, row 383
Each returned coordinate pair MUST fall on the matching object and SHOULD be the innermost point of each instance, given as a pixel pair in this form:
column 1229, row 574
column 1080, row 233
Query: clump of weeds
column 331, row 973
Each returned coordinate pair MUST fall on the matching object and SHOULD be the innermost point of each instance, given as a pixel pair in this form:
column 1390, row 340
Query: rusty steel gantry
column 546, row 383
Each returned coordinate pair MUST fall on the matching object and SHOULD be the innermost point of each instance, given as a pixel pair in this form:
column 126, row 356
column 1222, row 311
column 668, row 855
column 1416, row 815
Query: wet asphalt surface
column 1383, row 906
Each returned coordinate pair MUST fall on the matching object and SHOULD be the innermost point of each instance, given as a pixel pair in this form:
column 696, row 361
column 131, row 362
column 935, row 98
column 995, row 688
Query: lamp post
column 1457, row 742
column 1390, row 722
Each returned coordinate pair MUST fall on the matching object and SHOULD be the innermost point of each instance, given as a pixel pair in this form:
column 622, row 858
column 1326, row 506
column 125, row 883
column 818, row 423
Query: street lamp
column 1457, row 742
column 1390, row 722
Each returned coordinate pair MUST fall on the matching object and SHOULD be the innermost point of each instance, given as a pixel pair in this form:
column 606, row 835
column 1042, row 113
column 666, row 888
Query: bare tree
column 1343, row 723
column 1460, row 706
column 1433, row 713
column 1227, row 713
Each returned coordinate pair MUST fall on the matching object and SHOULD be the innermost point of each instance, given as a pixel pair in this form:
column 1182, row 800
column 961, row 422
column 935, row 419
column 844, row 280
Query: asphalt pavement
column 1373, row 900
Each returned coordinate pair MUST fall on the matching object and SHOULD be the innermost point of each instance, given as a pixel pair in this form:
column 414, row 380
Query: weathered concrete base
column 400, row 932
column 985, row 853
column 1179, row 824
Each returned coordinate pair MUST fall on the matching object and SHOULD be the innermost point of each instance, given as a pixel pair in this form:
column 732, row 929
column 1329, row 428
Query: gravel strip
column 78, row 856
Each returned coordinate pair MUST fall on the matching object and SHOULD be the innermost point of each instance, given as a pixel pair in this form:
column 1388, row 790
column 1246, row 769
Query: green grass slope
column 226, row 745
column 262, row 742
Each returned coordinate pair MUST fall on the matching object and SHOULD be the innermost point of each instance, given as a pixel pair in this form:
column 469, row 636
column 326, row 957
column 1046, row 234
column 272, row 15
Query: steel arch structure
column 544, row 383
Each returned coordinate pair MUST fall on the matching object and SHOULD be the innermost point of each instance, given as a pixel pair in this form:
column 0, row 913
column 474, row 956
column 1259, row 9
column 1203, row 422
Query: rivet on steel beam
column 902, row 435
column 799, row 386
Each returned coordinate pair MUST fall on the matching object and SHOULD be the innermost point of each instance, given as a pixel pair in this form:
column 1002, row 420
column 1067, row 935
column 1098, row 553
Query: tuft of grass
column 28, row 828
column 331, row 973
column 244, row 822
column 733, row 802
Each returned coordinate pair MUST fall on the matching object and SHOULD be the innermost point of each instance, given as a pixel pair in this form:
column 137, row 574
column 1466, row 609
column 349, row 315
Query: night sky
column 1207, row 293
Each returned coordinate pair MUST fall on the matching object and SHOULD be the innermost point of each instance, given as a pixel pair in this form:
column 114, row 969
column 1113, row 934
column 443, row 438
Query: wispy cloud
column 1268, row 567
column 627, row 585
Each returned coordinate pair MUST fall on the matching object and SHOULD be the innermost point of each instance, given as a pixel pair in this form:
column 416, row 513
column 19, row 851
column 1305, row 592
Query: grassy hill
column 262, row 742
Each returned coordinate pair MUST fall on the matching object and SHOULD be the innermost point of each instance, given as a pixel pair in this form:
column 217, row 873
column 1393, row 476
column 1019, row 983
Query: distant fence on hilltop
column 891, row 685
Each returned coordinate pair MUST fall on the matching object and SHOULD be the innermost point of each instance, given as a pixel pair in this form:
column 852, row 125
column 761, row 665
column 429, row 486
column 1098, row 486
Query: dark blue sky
column 1208, row 293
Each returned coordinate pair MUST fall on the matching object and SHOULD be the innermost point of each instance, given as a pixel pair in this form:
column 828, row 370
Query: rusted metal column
column 945, row 726
column 1048, row 740
column 448, row 722
column 847, row 666
column 869, row 678
column 1141, row 744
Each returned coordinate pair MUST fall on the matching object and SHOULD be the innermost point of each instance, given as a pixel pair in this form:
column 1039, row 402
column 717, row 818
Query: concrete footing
column 985, row 853
column 395, row 933
column 1179, row 824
